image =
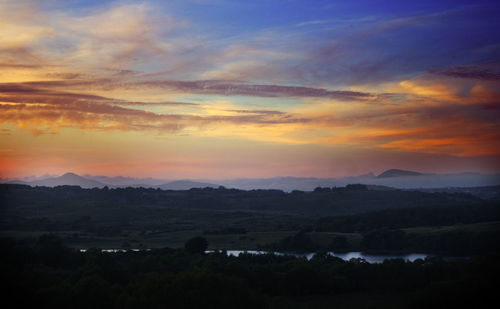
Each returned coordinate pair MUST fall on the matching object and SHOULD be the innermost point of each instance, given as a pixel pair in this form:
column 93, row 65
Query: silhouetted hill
column 186, row 185
column 17, row 182
column 398, row 173
column 401, row 179
column 68, row 179
column 121, row 181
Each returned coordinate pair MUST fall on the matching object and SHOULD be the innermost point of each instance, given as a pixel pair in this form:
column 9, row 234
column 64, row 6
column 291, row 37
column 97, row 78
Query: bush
column 196, row 245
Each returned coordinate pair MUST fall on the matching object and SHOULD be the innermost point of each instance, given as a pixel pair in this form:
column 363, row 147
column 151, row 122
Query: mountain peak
column 70, row 179
column 69, row 174
column 398, row 173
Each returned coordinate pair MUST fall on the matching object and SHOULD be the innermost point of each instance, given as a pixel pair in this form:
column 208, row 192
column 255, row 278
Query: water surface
column 346, row 256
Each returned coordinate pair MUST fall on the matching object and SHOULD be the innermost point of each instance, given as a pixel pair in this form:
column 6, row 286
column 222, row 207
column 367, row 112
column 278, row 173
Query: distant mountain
column 401, row 179
column 186, row 185
column 364, row 176
column 70, row 179
column 280, row 183
column 398, row 173
column 35, row 178
column 16, row 182
column 121, row 181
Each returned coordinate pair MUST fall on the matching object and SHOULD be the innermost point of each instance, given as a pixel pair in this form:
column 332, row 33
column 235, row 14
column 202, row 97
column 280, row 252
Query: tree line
column 48, row 274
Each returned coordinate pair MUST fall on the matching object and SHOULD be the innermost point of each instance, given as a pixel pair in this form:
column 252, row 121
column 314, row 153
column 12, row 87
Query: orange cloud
column 123, row 70
column 427, row 122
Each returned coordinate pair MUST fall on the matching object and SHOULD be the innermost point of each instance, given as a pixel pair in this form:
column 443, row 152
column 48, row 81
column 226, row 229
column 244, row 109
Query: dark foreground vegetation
column 322, row 202
column 353, row 218
column 50, row 275
column 43, row 229
column 448, row 230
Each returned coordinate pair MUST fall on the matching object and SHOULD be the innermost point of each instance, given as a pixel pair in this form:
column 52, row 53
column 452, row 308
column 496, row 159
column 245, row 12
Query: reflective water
column 117, row 250
column 347, row 256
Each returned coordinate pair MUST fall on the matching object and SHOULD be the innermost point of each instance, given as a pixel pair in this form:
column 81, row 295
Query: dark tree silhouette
column 196, row 245
column 339, row 243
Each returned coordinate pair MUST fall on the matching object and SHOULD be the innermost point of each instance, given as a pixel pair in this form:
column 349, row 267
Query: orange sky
column 135, row 89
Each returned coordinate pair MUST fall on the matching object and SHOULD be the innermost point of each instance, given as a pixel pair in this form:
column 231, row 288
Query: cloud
column 422, row 119
column 265, row 112
column 134, row 68
column 113, row 35
column 235, row 88
column 21, row 66
column 209, row 87
column 469, row 73
column 27, row 93
column 390, row 48
column 29, row 107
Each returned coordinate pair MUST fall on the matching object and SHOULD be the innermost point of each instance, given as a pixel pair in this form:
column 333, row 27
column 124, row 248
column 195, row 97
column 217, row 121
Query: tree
column 339, row 243
column 196, row 245
column 300, row 242
column 53, row 252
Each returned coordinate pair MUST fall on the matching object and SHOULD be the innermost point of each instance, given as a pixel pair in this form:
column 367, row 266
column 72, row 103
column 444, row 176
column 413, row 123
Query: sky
column 213, row 89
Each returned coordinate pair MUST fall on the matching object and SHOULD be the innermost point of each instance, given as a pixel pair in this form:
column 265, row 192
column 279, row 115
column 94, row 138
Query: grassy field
column 252, row 240
column 466, row 228
column 176, row 239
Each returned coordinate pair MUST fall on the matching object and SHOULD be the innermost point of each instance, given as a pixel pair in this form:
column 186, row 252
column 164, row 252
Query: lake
column 346, row 256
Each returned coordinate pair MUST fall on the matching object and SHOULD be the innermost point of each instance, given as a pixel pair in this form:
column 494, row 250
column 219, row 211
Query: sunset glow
column 226, row 89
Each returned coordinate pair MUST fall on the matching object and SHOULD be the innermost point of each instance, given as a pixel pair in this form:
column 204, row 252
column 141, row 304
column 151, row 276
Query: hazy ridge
column 395, row 178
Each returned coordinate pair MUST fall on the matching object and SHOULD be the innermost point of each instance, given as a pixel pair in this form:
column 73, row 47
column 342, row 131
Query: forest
column 172, row 247
column 48, row 274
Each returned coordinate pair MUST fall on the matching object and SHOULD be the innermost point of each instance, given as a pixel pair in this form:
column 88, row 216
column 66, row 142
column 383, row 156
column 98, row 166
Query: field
column 397, row 221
